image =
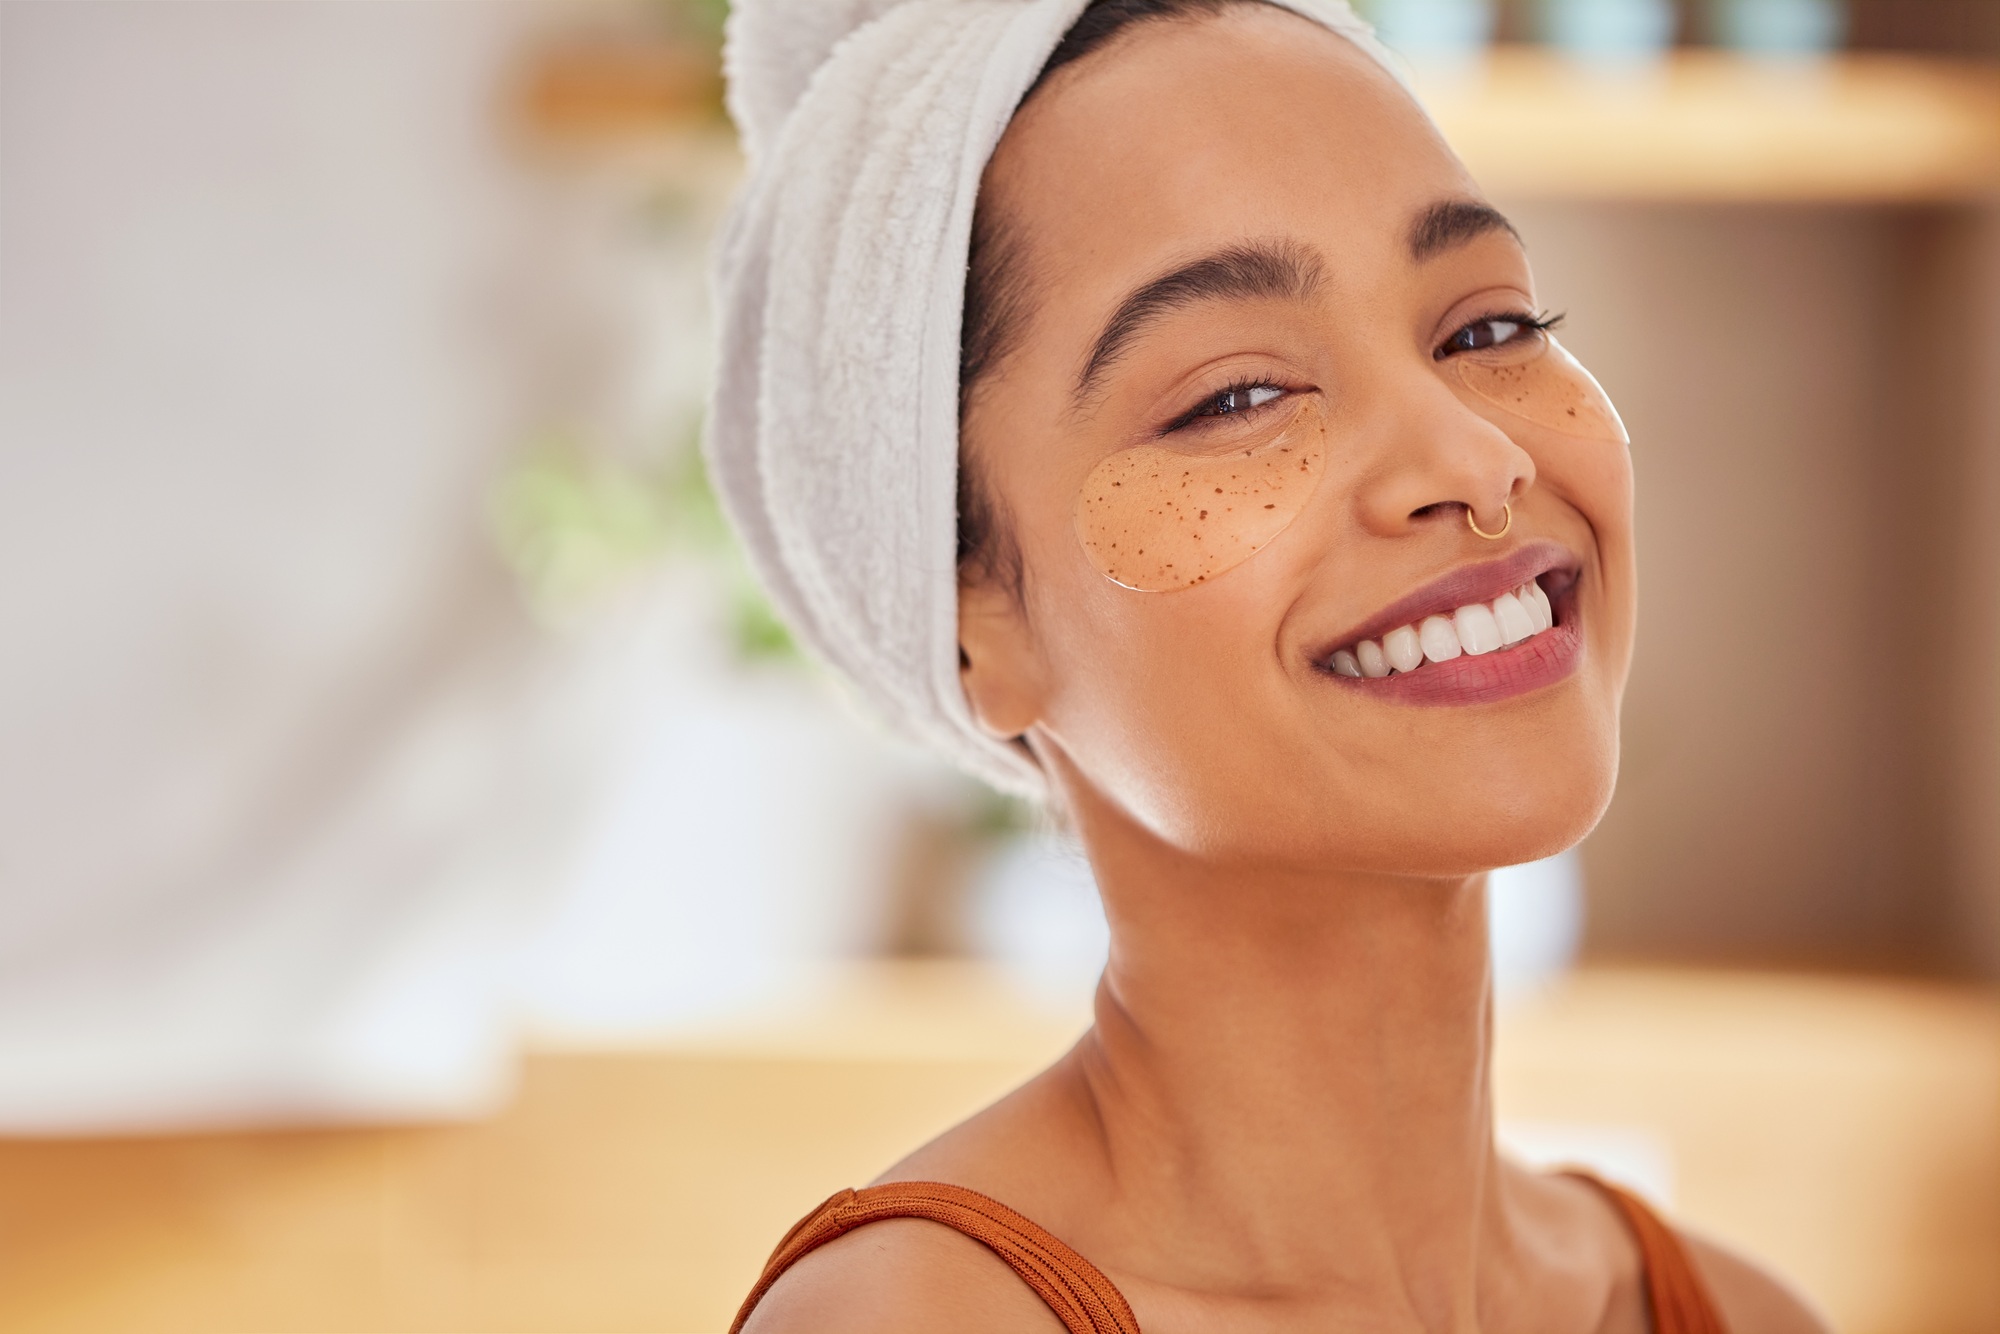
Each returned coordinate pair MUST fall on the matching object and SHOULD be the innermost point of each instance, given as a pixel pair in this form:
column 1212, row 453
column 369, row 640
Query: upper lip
column 1467, row 584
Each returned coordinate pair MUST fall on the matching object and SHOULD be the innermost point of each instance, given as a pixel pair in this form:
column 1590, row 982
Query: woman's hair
column 997, row 298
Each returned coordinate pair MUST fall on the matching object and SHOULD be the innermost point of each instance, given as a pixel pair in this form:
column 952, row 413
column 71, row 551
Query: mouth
column 1481, row 633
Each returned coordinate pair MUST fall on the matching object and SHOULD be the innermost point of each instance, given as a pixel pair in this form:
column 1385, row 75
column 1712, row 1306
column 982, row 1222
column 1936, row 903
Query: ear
column 998, row 664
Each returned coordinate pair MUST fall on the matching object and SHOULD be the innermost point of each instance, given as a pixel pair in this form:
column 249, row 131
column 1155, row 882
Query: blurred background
column 435, row 894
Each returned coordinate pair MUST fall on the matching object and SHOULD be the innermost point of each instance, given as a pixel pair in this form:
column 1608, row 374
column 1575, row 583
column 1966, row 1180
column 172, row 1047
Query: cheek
column 1170, row 706
column 1551, row 388
column 1143, row 643
column 1160, row 520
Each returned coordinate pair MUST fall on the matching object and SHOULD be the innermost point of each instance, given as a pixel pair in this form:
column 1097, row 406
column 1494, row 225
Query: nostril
column 1436, row 509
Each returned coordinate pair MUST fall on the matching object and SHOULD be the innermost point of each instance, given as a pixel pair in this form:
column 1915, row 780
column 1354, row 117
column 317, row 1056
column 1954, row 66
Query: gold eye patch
column 1156, row 518
column 1544, row 384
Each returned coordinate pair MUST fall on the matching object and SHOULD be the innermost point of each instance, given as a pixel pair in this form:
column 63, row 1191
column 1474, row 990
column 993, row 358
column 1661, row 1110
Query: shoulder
column 902, row 1274
column 909, row 1274
column 1750, row 1296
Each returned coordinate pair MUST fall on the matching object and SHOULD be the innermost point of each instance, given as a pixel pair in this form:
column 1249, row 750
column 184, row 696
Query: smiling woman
column 1294, row 563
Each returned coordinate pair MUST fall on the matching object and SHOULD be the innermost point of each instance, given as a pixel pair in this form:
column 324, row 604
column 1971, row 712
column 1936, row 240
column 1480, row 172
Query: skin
column 1282, row 1117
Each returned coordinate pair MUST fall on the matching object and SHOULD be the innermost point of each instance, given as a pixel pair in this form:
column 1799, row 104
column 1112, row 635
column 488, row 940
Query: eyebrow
column 1283, row 269
column 1453, row 222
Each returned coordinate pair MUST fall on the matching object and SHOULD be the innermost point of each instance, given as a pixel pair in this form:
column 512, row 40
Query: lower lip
column 1547, row 658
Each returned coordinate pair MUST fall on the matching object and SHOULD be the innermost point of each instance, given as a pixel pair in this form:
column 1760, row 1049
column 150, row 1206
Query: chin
column 1462, row 818
column 1431, row 793
column 1523, row 815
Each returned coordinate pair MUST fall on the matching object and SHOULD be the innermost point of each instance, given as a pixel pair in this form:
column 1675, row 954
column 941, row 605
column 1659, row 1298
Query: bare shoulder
column 899, row 1275
column 908, row 1274
column 1752, row 1298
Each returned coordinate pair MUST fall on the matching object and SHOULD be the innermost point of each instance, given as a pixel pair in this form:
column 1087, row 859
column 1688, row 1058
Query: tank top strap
column 1677, row 1298
column 1076, row 1290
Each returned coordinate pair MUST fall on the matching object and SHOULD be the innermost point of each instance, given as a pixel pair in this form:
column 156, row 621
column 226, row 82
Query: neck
column 1298, row 1064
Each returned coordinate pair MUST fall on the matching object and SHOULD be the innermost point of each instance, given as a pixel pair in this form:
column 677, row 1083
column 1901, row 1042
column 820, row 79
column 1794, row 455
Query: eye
column 1233, row 401
column 1494, row 331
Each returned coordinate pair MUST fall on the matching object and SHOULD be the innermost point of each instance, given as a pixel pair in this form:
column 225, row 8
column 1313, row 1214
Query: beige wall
column 1809, row 746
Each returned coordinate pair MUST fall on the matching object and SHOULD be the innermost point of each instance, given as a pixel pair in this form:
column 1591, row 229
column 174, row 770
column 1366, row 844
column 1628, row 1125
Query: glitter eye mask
column 1541, row 382
column 1161, row 517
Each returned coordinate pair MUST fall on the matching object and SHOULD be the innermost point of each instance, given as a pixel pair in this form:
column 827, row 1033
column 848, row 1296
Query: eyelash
column 1199, row 412
column 1527, row 324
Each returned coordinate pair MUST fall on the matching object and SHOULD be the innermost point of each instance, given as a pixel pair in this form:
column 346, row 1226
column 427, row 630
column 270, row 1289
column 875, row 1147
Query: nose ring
column 1506, row 523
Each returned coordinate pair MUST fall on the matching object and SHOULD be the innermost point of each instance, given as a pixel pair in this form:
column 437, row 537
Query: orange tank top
column 1088, row 1303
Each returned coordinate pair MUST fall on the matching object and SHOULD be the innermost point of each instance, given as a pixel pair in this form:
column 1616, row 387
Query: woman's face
column 1241, row 243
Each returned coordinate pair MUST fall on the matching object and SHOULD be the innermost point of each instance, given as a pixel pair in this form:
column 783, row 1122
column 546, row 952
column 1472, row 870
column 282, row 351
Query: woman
column 1293, row 557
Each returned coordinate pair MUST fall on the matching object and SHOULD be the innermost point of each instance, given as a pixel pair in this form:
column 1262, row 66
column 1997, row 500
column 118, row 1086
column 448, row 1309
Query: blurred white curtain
column 281, row 762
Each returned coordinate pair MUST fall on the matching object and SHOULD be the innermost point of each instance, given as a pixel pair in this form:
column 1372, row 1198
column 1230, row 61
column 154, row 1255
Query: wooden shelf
column 1707, row 126
column 1701, row 126
column 610, row 90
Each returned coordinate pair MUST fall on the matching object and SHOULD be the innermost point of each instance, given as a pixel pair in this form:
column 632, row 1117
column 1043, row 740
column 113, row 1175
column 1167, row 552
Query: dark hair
column 997, row 296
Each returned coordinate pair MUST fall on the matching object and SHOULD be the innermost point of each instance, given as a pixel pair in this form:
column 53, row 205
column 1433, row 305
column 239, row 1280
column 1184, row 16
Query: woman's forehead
column 1187, row 135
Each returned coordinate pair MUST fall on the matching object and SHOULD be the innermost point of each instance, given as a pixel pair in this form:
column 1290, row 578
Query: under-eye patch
column 1164, row 516
column 1537, row 379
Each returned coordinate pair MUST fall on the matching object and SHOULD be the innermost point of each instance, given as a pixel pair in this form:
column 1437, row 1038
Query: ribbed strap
column 1677, row 1300
column 1082, row 1297
column 1676, row 1297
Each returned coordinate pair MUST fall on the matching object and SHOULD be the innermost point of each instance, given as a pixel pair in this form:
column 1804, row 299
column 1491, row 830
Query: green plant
column 573, row 524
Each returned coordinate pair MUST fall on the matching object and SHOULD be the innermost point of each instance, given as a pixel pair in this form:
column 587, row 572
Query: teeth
column 1403, row 649
column 1476, row 628
column 1537, row 603
column 1439, row 638
column 1478, row 632
column 1515, row 621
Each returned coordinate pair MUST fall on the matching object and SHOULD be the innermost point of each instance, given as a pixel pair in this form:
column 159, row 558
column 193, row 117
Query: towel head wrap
column 840, row 276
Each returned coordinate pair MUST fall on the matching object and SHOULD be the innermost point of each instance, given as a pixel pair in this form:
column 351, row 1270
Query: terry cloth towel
column 840, row 273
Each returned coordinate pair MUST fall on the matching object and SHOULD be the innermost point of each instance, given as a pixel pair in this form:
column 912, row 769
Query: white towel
column 833, row 438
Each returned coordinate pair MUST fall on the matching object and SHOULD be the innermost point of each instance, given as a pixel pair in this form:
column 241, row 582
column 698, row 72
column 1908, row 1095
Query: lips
column 1481, row 633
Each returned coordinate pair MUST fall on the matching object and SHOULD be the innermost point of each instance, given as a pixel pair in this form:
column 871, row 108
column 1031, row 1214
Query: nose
column 1438, row 462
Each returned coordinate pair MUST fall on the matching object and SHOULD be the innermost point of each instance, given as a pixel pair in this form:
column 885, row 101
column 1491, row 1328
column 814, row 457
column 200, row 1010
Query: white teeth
column 1537, row 603
column 1478, row 632
column 1477, row 627
column 1403, row 649
column 1515, row 622
column 1439, row 638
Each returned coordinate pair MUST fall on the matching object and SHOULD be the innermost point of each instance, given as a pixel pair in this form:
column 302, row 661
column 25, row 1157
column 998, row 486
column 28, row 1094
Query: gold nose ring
column 1506, row 523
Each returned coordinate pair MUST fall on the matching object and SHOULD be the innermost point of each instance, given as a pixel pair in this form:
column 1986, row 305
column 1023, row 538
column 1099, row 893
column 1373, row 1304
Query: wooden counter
column 1848, row 1130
